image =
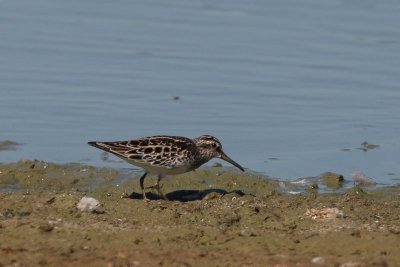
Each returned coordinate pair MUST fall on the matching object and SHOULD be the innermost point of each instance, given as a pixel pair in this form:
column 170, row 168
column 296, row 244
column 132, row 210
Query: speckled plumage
column 166, row 155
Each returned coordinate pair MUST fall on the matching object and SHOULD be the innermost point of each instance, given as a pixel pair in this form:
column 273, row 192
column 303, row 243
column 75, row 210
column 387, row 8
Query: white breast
column 161, row 170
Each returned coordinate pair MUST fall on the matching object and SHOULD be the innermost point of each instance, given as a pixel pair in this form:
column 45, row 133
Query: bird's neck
column 202, row 156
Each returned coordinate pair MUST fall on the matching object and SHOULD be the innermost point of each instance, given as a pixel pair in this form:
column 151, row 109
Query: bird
column 163, row 155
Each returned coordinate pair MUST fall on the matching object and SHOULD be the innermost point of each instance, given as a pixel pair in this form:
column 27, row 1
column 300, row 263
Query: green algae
column 332, row 180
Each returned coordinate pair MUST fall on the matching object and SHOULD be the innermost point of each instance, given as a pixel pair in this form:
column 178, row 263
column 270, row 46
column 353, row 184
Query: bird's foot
column 158, row 187
column 145, row 197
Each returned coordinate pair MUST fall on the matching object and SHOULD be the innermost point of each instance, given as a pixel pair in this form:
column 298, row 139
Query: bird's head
column 212, row 148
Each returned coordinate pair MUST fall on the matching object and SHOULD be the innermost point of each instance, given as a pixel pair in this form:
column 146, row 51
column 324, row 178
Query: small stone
column 50, row 200
column 23, row 213
column 217, row 165
column 7, row 213
column 88, row 204
column 395, row 230
column 352, row 264
column 233, row 195
column 318, row 260
column 212, row 195
column 46, row 227
column 75, row 181
column 356, row 233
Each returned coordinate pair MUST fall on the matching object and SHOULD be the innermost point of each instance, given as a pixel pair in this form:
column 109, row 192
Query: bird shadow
column 186, row 195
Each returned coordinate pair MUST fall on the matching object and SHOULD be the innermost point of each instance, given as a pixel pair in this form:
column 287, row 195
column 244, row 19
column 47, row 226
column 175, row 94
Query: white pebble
column 88, row 204
column 352, row 264
column 318, row 260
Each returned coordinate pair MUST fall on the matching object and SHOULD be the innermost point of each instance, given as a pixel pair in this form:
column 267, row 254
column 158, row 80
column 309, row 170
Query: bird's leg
column 158, row 187
column 142, row 187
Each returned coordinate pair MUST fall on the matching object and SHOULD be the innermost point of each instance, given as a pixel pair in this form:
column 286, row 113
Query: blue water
column 285, row 85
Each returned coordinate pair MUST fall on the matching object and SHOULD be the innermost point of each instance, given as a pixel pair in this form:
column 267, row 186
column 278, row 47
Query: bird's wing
column 167, row 151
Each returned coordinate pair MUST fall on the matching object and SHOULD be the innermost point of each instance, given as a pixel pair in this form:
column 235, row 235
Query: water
column 285, row 85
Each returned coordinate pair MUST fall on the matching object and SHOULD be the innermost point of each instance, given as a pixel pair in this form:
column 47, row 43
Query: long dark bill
column 231, row 161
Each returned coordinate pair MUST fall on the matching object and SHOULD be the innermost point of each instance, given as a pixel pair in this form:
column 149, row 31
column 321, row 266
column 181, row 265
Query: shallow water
column 291, row 89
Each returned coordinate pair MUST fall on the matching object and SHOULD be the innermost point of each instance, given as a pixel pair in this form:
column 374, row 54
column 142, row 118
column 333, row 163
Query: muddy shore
column 215, row 217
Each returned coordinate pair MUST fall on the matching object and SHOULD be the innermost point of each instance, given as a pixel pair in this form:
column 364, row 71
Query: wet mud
column 214, row 217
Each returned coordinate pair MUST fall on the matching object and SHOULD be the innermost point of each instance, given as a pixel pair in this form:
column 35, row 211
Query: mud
column 215, row 217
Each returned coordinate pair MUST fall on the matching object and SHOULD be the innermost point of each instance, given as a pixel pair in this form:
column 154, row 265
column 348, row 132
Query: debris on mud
column 325, row 213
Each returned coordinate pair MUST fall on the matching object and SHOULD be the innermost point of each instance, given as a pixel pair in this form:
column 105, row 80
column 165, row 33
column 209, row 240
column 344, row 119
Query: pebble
column 352, row 264
column 318, row 260
column 88, row 204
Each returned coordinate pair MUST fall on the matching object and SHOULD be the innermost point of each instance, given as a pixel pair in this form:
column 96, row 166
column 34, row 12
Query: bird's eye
column 214, row 145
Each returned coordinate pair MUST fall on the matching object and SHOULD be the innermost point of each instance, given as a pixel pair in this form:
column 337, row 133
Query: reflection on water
column 303, row 83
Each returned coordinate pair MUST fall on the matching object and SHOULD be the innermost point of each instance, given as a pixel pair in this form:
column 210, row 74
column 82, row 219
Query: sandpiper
column 166, row 155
